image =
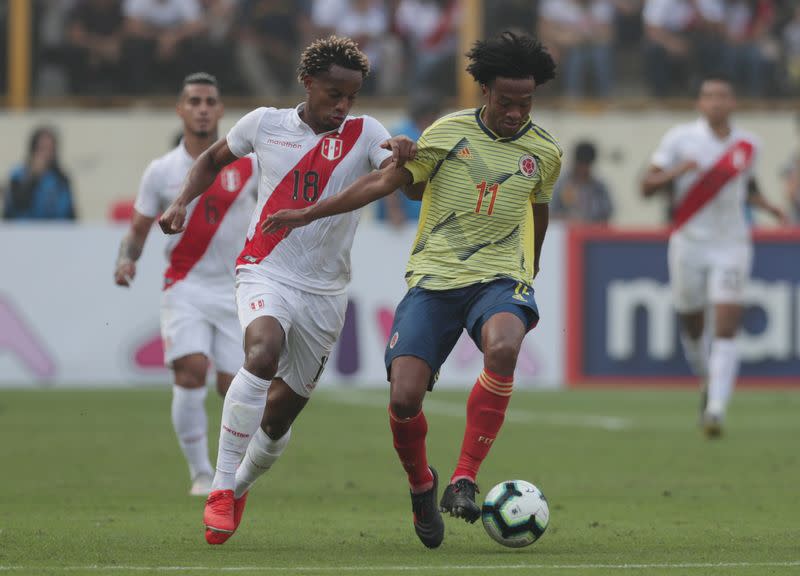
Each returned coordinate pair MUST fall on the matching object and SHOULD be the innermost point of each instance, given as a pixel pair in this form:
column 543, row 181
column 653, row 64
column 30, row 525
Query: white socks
column 190, row 424
column 696, row 354
column 241, row 418
column 262, row 453
column 723, row 368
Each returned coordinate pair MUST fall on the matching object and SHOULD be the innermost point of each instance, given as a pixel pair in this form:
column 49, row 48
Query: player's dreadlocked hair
column 330, row 51
column 510, row 55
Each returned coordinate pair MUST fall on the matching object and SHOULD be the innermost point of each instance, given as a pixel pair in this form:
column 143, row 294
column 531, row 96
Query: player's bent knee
column 261, row 361
column 502, row 355
column 405, row 402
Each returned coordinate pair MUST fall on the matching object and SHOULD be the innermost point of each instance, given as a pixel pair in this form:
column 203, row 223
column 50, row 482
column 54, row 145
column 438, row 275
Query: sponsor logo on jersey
column 284, row 143
column 528, row 165
column 332, row 147
column 257, row 304
column 393, row 341
column 230, row 179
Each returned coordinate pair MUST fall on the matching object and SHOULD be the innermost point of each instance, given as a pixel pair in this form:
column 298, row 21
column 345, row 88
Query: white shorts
column 703, row 272
column 311, row 323
column 195, row 320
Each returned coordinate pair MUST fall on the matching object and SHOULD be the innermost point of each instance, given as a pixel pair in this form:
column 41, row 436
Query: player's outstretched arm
column 130, row 249
column 757, row 199
column 360, row 193
column 657, row 179
column 200, row 177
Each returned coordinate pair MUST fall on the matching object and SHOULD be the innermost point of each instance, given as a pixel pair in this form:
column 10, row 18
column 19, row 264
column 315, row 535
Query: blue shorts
column 428, row 323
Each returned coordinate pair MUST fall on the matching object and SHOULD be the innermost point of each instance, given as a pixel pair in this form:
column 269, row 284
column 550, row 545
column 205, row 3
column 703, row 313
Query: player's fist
column 403, row 149
column 172, row 220
column 124, row 272
column 288, row 219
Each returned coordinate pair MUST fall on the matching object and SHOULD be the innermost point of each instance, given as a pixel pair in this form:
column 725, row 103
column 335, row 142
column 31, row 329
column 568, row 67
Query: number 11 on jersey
column 482, row 192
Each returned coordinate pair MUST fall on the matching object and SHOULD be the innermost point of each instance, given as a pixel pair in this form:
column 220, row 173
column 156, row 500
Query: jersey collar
column 184, row 151
column 706, row 127
column 521, row 132
column 298, row 123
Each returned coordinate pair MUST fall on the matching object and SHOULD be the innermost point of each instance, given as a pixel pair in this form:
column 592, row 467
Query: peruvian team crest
column 528, row 165
column 332, row 148
column 230, row 179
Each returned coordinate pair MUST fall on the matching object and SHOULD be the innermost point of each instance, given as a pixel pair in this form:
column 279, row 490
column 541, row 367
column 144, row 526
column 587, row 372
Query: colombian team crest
column 528, row 165
column 332, row 148
column 230, row 179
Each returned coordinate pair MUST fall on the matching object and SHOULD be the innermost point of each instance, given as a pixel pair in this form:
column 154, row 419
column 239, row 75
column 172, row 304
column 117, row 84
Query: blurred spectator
column 579, row 33
column 751, row 52
column 221, row 41
column 366, row 22
column 579, row 195
column 39, row 189
column 163, row 38
column 499, row 15
column 270, row 33
column 627, row 22
column 397, row 208
column 429, row 28
column 682, row 37
column 791, row 48
column 94, row 46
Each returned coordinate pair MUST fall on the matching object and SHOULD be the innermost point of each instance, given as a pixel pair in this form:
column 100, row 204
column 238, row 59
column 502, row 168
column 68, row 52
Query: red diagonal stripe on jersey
column 206, row 219
column 733, row 162
column 317, row 160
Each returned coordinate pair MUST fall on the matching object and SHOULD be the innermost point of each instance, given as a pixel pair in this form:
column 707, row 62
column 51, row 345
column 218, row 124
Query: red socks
column 486, row 410
column 409, row 442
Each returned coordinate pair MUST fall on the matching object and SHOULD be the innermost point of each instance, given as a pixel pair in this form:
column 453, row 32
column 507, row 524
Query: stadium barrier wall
column 621, row 328
column 64, row 323
column 106, row 151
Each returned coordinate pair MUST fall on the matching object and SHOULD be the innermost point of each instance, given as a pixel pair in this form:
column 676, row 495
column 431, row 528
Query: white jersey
column 298, row 168
column 216, row 222
column 723, row 216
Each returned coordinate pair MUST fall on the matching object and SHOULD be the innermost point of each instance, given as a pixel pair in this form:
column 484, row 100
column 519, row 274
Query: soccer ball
column 515, row 513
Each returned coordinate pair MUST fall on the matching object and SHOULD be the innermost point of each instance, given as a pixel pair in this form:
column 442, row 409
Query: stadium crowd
column 605, row 48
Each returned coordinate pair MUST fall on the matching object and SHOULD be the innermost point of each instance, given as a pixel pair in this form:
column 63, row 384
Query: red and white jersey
column 216, row 222
column 712, row 198
column 298, row 168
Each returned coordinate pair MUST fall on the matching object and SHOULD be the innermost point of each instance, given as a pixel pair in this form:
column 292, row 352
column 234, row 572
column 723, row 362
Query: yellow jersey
column 476, row 220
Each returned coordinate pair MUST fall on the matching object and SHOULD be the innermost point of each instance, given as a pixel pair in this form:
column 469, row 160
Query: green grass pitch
column 92, row 482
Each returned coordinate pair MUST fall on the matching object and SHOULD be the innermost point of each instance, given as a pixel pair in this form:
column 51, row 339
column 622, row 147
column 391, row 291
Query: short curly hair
column 323, row 53
column 510, row 55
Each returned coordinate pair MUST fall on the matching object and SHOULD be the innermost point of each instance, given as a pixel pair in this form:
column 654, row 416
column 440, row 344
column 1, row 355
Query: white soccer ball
column 515, row 513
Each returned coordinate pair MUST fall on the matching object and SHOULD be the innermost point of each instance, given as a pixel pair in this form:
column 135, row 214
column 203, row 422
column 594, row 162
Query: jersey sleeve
column 241, row 138
column 551, row 169
column 432, row 149
column 666, row 155
column 148, row 200
column 376, row 135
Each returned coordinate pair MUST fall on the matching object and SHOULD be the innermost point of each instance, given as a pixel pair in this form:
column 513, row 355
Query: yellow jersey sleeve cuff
column 418, row 171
